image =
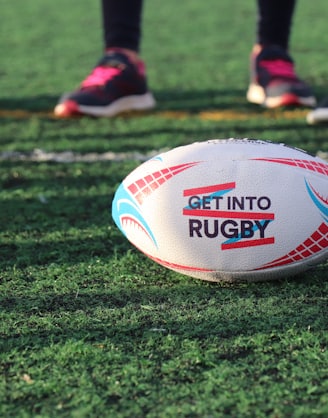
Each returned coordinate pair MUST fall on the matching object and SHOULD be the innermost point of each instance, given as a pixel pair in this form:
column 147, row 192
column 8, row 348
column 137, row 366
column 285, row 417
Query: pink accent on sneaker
column 100, row 75
column 279, row 68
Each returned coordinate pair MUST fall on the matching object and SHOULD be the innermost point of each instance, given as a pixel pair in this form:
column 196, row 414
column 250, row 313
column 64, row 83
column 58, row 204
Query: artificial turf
column 88, row 326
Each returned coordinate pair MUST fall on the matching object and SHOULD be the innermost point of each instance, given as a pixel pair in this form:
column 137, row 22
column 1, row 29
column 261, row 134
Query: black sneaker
column 115, row 85
column 274, row 82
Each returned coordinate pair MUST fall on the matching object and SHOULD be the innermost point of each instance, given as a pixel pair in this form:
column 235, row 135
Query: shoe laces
column 100, row 75
column 279, row 68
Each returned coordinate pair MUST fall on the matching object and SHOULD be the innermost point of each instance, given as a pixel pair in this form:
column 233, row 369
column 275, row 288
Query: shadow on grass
column 126, row 133
column 82, row 132
column 36, row 103
column 69, row 251
column 175, row 100
column 166, row 100
column 192, row 101
column 64, row 230
column 50, row 214
column 185, row 310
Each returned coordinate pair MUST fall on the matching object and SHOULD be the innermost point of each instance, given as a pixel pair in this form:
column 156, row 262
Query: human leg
column 118, row 82
column 274, row 82
column 122, row 24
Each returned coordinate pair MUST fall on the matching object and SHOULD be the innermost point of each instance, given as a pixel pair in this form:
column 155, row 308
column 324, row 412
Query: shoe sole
column 70, row 108
column 317, row 116
column 256, row 94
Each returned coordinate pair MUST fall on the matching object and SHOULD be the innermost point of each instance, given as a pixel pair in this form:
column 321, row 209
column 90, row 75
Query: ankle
column 258, row 48
column 132, row 55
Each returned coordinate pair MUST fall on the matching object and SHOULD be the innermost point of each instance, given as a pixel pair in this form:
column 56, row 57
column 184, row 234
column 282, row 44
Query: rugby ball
column 234, row 209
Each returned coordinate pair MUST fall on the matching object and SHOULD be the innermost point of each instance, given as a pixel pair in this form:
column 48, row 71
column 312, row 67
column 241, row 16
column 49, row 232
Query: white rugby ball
column 234, row 209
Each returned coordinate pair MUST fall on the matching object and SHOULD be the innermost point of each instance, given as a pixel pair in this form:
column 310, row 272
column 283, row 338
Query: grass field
column 88, row 326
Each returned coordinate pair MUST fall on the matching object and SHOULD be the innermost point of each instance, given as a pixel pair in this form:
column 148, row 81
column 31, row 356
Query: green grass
column 88, row 326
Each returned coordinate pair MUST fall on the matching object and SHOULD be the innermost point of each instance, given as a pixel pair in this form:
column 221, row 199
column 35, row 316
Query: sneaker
column 274, row 82
column 320, row 114
column 115, row 85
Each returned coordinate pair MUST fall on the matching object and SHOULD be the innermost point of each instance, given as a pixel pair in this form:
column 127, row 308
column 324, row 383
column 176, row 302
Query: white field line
column 39, row 155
